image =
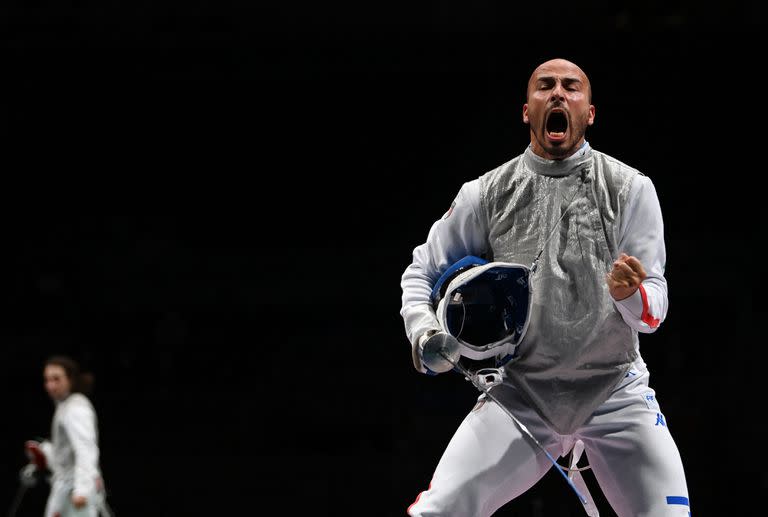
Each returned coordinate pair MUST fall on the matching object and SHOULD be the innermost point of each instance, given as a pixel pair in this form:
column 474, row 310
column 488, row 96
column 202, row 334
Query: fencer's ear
column 525, row 113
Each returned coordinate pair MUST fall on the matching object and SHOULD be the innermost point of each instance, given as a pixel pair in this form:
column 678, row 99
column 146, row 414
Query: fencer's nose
column 558, row 93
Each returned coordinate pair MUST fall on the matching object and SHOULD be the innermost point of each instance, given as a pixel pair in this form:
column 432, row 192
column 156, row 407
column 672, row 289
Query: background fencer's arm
column 47, row 448
column 641, row 235
column 39, row 453
column 79, row 423
column 461, row 231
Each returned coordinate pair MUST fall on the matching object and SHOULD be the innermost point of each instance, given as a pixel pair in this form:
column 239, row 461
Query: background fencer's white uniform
column 578, row 373
column 72, row 455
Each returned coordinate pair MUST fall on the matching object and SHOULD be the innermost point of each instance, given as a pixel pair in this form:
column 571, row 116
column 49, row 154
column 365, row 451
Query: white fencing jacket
column 73, row 452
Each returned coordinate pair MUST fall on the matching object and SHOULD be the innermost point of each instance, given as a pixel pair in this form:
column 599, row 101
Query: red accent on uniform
column 418, row 497
column 35, row 455
column 646, row 316
column 450, row 211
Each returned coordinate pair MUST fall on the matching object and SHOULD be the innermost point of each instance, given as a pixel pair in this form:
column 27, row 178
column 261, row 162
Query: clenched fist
column 625, row 277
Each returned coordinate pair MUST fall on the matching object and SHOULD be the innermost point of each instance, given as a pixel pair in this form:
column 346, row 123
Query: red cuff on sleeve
column 418, row 497
column 646, row 316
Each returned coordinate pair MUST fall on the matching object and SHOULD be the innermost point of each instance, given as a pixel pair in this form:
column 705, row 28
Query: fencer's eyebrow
column 549, row 79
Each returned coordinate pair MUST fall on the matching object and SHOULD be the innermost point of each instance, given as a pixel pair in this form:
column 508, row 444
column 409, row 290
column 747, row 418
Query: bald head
column 560, row 68
column 558, row 108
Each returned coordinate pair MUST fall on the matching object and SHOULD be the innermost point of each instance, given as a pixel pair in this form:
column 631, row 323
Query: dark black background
column 210, row 206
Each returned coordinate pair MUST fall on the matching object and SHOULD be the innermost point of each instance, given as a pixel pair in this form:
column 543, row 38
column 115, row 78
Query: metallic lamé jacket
column 580, row 213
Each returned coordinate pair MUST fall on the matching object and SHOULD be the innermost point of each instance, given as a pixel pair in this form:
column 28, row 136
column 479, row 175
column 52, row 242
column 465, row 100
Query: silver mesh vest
column 577, row 347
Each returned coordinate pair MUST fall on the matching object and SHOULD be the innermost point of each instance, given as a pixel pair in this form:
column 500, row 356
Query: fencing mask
column 485, row 306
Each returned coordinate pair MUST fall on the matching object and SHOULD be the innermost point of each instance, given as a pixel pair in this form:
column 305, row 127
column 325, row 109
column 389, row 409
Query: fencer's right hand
column 439, row 351
column 35, row 454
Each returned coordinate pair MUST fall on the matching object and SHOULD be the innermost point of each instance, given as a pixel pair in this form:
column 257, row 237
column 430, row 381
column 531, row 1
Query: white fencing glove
column 439, row 351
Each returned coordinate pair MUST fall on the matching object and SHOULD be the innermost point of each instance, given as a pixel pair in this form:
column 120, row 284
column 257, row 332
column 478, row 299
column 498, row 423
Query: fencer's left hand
column 78, row 501
column 625, row 277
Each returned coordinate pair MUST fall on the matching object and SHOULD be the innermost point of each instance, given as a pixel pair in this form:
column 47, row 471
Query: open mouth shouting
column 556, row 126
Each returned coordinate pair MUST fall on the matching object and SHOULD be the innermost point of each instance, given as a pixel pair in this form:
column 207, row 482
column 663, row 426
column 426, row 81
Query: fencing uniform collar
column 558, row 168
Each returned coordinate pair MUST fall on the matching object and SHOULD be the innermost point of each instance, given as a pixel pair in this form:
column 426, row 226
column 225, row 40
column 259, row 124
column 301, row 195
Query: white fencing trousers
column 489, row 461
column 60, row 503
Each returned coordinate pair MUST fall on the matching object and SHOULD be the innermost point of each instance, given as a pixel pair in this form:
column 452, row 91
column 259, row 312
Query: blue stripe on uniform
column 678, row 499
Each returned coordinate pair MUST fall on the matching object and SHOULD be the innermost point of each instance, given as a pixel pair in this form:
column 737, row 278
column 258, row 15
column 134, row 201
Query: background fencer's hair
column 82, row 382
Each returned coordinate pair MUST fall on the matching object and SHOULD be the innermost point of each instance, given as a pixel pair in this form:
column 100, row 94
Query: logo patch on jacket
column 650, row 400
